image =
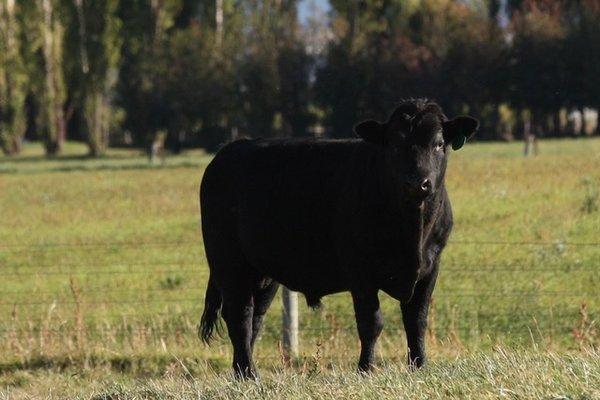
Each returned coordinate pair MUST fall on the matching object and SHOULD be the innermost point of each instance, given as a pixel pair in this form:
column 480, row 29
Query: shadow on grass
column 101, row 167
column 137, row 364
column 64, row 158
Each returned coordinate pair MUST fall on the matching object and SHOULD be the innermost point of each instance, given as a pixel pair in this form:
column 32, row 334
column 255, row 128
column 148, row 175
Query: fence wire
column 197, row 243
column 68, row 267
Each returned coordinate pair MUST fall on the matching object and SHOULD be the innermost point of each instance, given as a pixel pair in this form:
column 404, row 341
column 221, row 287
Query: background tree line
column 199, row 72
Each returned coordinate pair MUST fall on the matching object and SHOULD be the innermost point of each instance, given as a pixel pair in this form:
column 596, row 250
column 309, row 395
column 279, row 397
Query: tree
column 294, row 68
column 95, row 38
column 582, row 55
column 537, row 68
column 54, row 91
column 374, row 62
column 472, row 73
column 143, row 76
column 275, row 71
column 13, row 80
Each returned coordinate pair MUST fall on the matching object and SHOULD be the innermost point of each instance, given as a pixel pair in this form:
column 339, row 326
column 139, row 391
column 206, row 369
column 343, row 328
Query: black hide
column 326, row 216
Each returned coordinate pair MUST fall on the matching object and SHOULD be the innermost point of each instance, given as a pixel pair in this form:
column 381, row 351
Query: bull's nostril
column 426, row 185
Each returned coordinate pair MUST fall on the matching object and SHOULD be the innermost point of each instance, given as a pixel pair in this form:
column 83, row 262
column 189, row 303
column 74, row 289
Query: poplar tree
column 13, row 80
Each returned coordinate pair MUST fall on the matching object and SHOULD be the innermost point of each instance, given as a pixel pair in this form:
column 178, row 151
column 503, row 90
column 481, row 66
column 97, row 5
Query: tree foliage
column 184, row 72
column 13, row 79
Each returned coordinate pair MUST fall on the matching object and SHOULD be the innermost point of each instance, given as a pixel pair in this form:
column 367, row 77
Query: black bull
column 327, row 216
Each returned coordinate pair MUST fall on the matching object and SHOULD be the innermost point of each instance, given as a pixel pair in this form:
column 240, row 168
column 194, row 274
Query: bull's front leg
column 414, row 315
column 369, row 323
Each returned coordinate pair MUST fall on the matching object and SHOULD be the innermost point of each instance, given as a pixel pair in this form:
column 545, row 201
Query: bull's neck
column 417, row 220
column 431, row 209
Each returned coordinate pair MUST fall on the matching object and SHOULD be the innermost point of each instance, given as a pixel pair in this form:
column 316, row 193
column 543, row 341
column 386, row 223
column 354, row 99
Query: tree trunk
column 96, row 114
column 85, row 66
column 98, row 84
column 495, row 123
column 15, row 145
column 54, row 84
column 156, row 147
column 560, row 122
column 597, row 130
column 517, row 130
column 548, row 127
column 529, row 134
column 584, row 124
column 174, row 140
column 219, row 23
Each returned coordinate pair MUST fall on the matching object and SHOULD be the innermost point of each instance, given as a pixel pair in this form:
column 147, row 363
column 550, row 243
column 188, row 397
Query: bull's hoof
column 245, row 374
column 415, row 363
column 365, row 368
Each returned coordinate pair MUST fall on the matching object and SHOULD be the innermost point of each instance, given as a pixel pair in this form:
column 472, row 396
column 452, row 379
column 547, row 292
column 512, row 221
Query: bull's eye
column 439, row 146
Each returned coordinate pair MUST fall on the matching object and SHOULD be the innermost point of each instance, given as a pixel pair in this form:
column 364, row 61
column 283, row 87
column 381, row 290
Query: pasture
column 102, row 275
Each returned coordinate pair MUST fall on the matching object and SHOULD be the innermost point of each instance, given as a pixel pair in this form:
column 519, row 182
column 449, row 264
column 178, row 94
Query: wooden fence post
column 290, row 323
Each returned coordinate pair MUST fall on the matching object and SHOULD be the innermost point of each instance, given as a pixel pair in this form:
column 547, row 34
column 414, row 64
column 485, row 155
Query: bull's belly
column 299, row 263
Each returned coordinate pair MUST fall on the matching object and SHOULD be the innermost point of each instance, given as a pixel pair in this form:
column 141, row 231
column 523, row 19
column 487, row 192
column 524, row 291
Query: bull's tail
column 210, row 317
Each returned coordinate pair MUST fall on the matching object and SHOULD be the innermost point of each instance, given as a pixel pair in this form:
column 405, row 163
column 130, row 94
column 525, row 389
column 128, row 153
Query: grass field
column 102, row 275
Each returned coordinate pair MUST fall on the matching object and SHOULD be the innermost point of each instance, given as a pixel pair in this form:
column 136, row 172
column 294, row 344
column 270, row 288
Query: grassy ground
column 102, row 270
column 502, row 374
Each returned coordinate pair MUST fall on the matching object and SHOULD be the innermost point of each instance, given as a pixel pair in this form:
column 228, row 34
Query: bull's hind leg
column 262, row 300
column 238, row 310
column 369, row 323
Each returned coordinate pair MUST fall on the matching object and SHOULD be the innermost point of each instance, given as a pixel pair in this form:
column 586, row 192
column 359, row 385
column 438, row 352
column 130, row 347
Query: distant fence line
column 271, row 330
column 457, row 294
column 91, row 316
column 479, row 267
column 446, row 293
column 198, row 242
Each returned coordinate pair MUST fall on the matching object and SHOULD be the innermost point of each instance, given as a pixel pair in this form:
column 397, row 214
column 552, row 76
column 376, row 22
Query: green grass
column 501, row 374
column 103, row 268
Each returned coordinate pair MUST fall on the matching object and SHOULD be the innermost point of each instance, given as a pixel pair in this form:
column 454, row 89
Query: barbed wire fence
column 65, row 271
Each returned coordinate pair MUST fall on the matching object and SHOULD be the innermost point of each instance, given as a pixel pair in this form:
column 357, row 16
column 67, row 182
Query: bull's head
column 416, row 141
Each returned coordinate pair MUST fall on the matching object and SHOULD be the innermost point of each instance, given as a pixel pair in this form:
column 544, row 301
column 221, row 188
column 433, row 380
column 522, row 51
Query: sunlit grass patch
column 503, row 373
column 102, row 260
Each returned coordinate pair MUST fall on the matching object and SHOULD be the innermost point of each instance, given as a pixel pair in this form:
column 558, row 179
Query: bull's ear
column 371, row 131
column 459, row 129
